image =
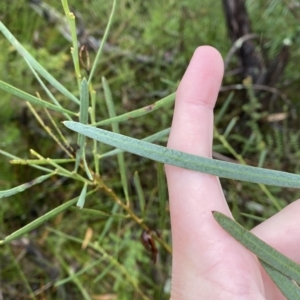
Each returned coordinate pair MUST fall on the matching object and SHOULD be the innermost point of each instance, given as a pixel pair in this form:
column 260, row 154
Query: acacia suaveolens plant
column 85, row 172
column 284, row 272
column 84, row 121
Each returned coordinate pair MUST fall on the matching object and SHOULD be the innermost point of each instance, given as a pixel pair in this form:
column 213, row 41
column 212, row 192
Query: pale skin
column 207, row 262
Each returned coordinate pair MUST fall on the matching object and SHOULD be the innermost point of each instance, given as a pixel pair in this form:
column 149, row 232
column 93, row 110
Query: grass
column 96, row 252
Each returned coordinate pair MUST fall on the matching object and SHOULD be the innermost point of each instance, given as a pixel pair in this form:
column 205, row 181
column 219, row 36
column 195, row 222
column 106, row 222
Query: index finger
column 193, row 195
column 192, row 132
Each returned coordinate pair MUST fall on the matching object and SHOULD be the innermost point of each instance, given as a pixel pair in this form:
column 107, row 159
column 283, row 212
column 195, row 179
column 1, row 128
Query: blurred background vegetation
column 149, row 47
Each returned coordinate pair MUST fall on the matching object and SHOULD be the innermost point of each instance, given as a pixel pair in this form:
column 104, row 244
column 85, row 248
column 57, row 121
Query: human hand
column 207, row 262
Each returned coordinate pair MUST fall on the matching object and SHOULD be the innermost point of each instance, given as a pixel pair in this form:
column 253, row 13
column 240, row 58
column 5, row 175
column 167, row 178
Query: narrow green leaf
column 261, row 249
column 253, row 217
column 164, row 102
column 86, row 167
column 50, row 95
column 248, row 143
column 92, row 112
column 103, row 41
column 83, row 118
column 223, row 109
column 39, row 221
column 115, row 128
column 84, row 270
column 38, row 78
column 99, row 214
column 81, row 199
column 288, row 287
column 18, row 158
column 162, row 195
column 38, row 67
column 140, row 192
column 109, row 222
column 72, row 24
column 103, row 273
column 32, row 99
column 84, row 102
column 188, row 161
column 40, row 161
column 262, row 157
column 230, row 126
column 25, row 186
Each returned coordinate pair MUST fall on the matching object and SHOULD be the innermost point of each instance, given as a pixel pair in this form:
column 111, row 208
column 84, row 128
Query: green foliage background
column 157, row 29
